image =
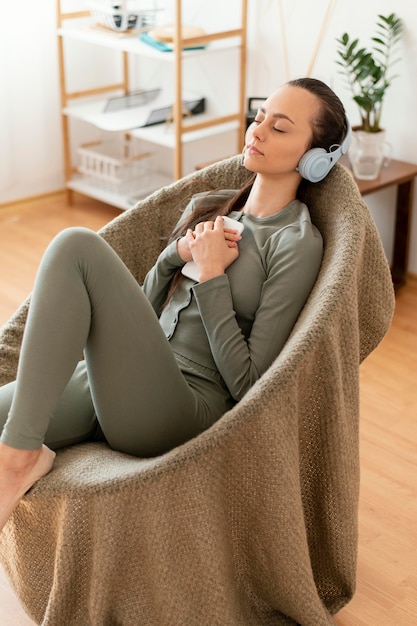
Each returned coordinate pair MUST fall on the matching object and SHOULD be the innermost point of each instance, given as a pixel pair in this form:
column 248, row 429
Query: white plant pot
column 368, row 153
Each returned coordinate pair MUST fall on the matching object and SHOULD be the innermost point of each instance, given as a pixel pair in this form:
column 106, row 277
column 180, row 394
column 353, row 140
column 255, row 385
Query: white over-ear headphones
column 316, row 163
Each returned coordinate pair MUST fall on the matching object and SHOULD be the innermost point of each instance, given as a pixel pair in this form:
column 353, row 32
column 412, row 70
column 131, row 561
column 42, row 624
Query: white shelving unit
column 82, row 105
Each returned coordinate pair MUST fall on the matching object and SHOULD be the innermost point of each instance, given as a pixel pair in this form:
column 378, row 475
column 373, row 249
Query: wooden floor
column 387, row 568
column 25, row 231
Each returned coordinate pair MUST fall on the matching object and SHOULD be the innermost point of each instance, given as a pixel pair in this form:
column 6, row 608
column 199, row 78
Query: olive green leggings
column 128, row 388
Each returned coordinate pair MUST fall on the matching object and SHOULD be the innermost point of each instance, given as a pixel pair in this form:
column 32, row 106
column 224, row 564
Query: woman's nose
column 258, row 130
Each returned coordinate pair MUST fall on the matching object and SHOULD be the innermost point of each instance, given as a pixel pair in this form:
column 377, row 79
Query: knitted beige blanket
column 253, row 523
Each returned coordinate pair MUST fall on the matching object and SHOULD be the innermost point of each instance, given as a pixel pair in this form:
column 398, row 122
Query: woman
column 164, row 362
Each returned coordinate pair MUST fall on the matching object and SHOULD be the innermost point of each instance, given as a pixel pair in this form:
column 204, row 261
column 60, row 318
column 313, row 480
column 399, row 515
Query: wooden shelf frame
column 181, row 127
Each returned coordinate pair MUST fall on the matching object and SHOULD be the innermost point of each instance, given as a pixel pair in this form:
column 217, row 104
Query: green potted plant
column 367, row 72
column 368, row 77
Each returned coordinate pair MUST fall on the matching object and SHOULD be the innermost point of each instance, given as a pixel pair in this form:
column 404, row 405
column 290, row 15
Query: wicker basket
column 112, row 163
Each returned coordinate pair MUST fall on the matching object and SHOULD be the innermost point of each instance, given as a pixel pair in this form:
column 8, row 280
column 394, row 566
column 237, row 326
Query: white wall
column 30, row 130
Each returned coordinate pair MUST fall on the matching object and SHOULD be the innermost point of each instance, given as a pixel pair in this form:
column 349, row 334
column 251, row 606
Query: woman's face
column 281, row 132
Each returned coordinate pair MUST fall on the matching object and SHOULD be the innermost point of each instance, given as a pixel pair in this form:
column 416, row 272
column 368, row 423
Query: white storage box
column 124, row 15
column 113, row 163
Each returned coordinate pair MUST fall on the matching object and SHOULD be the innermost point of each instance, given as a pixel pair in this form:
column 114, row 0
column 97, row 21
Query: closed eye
column 259, row 121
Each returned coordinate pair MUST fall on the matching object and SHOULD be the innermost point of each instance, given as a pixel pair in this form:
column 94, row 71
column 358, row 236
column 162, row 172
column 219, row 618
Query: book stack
column 162, row 38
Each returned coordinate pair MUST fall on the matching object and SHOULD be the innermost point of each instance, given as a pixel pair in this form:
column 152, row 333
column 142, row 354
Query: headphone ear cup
column 315, row 164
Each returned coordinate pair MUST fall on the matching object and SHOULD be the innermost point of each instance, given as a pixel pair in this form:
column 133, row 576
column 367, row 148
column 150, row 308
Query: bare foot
column 19, row 470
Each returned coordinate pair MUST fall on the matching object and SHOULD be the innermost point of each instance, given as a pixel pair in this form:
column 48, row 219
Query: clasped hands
column 211, row 246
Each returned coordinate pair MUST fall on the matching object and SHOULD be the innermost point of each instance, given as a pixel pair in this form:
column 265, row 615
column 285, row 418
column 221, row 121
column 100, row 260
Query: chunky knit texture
column 253, row 523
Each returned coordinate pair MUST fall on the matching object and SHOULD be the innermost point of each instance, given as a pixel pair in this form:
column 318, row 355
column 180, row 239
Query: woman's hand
column 183, row 248
column 212, row 247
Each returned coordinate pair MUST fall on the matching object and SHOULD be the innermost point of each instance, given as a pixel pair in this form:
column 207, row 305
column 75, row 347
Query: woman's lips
column 255, row 151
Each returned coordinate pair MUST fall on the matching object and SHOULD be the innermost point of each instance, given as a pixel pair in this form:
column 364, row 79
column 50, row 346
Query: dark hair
column 329, row 127
column 203, row 213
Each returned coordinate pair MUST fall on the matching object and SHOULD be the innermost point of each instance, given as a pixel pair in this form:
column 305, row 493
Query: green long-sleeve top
column 235, row 325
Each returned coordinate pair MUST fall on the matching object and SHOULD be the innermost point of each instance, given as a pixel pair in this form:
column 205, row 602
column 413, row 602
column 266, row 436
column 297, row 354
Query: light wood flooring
column 387, row 565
